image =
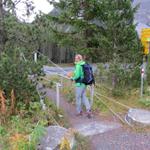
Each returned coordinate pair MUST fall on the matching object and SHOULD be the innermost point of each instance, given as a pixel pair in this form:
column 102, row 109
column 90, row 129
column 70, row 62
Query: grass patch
column 22, row 132
column 50, row 81
column 130, row 99
column 82, row 143
column 145, row 101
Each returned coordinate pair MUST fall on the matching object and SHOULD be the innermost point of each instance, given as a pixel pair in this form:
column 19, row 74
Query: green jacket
column 78, row 73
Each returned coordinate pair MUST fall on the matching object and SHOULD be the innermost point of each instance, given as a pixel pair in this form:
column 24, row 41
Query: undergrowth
column 82, row 143
column 24, row 132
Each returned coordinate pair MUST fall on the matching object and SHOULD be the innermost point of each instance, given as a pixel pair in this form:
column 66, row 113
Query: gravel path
column 121, row 139
column 114, row 139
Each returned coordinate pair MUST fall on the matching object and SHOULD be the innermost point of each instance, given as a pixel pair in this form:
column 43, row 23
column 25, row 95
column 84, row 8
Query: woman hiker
column 80, row 88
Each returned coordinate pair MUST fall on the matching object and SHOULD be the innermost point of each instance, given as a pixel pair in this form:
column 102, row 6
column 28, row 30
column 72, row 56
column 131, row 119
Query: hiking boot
column 79, row 114
column 89, row 114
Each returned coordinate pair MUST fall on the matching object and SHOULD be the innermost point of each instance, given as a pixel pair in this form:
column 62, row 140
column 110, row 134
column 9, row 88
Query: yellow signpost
column 145, row 39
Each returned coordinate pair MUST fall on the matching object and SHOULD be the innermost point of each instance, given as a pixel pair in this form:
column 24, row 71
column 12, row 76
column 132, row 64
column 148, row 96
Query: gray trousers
column 81, row 99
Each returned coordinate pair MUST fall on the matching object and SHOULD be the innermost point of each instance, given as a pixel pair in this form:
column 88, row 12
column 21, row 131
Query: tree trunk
column 2, row 30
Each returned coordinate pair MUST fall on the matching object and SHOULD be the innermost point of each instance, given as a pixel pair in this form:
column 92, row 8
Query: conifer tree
column 8, row 14
column 100, row 29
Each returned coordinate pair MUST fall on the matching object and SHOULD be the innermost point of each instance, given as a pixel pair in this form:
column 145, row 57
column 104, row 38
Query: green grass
column 15, row 132
column 130, row 98
column 82, row 143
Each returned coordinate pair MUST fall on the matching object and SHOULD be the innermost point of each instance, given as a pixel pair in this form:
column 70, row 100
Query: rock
column 94, row 128
column 138, row 117
column 54, row 136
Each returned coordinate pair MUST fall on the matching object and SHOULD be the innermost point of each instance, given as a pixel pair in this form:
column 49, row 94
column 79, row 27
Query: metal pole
column 35, row 57
column 143, row 74
column 91, row 93
column 58, row 85
column 142, row 81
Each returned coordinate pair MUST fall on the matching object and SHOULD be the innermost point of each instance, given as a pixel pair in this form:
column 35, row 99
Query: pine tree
column 2, row 29
column 120, row 36
column 7, row 15
column 98, row 28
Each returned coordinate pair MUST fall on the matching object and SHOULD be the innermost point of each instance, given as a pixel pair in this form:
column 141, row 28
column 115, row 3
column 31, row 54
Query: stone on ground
column 54, row 137
column 94, row 128
column 138, row 117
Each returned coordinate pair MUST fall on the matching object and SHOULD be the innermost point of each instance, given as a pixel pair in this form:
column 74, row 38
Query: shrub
column 121, row 77
column 14, row 76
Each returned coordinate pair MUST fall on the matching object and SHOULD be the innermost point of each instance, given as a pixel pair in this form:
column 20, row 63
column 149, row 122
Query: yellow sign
column 145, row 39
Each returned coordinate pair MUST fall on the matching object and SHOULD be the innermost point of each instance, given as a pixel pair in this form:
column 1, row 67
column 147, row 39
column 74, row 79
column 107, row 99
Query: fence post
column 91, row 93
column 35, row 57
column 58, row 85
column 142, row 81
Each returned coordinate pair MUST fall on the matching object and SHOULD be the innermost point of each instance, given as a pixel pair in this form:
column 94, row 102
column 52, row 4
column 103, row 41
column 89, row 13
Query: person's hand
column 70, row 74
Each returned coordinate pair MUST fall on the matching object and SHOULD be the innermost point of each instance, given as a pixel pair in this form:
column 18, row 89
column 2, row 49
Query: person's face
column 77, row 59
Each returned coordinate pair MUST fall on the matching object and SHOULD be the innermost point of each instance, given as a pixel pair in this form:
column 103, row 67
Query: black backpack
column 88, row 74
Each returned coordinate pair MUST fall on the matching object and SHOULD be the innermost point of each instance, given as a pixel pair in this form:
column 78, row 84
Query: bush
column 145, row 101
column 14, row 76
column 121, row 77
column 82, row 143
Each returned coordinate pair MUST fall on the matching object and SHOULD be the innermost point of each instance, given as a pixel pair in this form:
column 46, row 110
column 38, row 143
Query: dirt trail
column 118, row 138
column 70, row 111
